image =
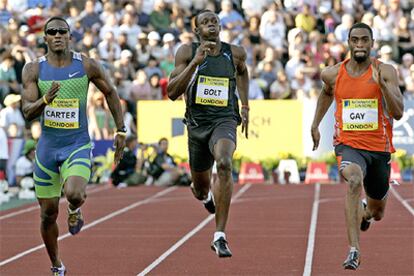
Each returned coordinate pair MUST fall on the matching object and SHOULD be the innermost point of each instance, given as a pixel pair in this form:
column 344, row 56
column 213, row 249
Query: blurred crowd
column 288, row 43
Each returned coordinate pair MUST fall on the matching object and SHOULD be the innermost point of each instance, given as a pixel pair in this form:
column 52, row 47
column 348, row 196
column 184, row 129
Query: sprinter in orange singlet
column 367, row 100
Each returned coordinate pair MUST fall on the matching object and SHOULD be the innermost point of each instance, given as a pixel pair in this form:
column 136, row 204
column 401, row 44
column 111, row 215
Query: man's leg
column 353, row 210
column 75, row 191
column 223, row 187
column 49, row 209
column 201, row 183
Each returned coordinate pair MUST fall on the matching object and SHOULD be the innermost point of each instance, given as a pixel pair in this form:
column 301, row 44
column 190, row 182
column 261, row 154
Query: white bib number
column 212, row 91
column 62, row 113
column 360, row 114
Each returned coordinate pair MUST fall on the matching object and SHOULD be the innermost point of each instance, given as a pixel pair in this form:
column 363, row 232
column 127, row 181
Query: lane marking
column 92, row 224
column 307, row 271
column 28, row 209
column 403, row 202
column 187, row 236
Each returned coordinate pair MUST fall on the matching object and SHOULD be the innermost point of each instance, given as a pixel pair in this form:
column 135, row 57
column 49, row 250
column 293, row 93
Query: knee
column 49, row 216
column 224, row 166
column 355, row 183
column 75, row 197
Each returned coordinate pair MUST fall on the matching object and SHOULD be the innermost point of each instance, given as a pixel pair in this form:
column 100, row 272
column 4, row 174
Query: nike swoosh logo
column 74, row 74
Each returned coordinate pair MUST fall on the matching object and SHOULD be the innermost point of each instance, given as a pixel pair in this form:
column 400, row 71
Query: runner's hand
column 316, row 136
column 52, row 93
column 203, row 50
column 376, row 73
column 119, row 145
column 245, row 120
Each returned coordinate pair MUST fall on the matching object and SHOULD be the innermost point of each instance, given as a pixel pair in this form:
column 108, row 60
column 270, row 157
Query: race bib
column 212, row 91
column 359, row 114
column 62, row 113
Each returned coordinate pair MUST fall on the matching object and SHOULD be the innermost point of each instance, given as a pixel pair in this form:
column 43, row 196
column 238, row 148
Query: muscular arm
column 102, row 81
column 242, row 77
column 391, row 91
column 326, row 97
column 32, row 104
column 181, row 75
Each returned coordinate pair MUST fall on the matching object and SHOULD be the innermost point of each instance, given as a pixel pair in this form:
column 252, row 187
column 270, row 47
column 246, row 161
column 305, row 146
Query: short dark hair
column 198, row 14
column 162, row 140
column 358, row 26
column 55, row 18
column 130, row 139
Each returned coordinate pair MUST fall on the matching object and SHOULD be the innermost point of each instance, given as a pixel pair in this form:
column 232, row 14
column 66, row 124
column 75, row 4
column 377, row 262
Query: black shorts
column 201, row 141
column 375, row 167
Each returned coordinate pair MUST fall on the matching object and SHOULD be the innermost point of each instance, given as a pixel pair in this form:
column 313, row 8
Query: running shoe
column 352, row 261
column 364, row 223
column 75, row 221
column 58, row 271
column 221, row 248
column 209, row 204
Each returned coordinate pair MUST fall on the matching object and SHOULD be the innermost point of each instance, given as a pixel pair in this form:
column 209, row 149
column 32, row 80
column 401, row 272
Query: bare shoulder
column 184, row 53
column 238, row 52
column 329, row 74
column 388, row 70
column 90, row 65
column 30, row 71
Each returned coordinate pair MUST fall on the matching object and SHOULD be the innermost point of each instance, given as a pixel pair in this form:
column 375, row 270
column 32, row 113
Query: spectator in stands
column 404, row 68
column 404, row 37
column 142, row 50
column 126, row 172
column 342, row 30
column 155, row 50
column 160, row 17
column 305, row 20
column 409, row 84
column 140, row 88
column 164, row 169
column 230, row 19
column 301, row 85
column 280, row 89
column 8, row 78
column 124, row 65
column 384, row 25
column 25, row 164
column 100, row 126
column 111, row 25
column 108, row 48
column 89, row 17
column 131, row 28
column 11, row 115
column 5, row 13
column 156, row 92
column 386, row 56
column 273, row 31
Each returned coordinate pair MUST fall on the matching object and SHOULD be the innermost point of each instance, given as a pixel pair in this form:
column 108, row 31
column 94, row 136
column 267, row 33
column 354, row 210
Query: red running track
column 272, row 230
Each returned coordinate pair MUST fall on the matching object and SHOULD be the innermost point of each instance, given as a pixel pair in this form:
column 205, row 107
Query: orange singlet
column 361, row 119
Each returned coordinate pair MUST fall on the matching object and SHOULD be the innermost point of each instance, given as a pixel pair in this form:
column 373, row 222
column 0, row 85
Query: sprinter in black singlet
column 208, row 73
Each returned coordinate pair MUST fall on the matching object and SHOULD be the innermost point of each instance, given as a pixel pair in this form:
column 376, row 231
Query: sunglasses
column 53, row 31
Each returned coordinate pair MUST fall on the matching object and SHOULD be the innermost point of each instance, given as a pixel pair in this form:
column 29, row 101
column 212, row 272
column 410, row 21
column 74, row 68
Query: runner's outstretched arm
column 32, row 105
column 324, row 102
column 242, row 82
column 102, row 81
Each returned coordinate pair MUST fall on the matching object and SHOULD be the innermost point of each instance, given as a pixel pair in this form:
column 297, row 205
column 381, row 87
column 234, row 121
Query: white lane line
column 403, row 202
column 307, row 271
column 187, row 236
column 28, row 209
column 93, row 223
